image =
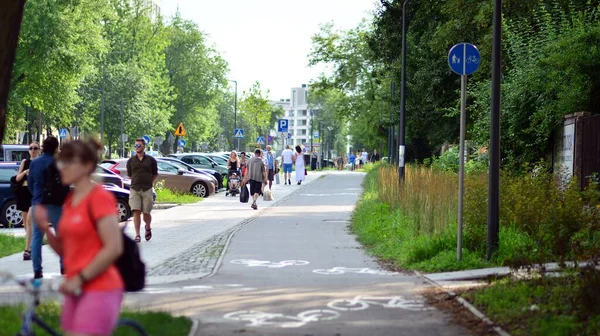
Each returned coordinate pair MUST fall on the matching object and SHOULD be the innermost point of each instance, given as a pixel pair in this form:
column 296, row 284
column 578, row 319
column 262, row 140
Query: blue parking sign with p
column 282, row 125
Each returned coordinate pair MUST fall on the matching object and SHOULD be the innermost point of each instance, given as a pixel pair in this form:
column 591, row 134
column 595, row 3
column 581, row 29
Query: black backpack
column 54, row 192
column 130, row 264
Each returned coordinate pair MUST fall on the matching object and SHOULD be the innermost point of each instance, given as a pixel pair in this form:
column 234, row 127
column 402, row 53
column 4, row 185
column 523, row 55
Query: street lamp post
column 494, row 176
column 236, row 140
column 401, row 124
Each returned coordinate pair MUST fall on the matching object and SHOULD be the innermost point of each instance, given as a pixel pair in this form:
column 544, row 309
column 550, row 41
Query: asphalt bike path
column 297, row 270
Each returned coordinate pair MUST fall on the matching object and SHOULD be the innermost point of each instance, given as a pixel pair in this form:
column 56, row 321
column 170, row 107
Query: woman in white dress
column 300, row 169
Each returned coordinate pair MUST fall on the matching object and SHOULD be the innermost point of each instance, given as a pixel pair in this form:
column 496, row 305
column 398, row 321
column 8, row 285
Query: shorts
column 287, row 168
column 255, row 187
column 94, row 312
column 271, row 175
column 141, row 200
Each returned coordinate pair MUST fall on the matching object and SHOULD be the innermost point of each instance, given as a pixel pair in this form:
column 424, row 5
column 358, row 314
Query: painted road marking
column 342, row 270
column 362, row 302
column 269, row 264
column 188, row 289
column 328, row 195
column 277, row 320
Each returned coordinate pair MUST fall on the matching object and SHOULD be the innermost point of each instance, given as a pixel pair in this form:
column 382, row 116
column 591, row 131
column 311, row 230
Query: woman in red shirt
column 89, row 241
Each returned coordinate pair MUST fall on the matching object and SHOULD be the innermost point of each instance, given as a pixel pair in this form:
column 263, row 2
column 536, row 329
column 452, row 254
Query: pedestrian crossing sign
column 260, row 140
column 238, row 133
column 180, row 131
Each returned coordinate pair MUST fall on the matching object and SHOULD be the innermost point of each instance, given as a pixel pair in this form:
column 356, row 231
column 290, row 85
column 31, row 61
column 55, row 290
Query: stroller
column 233, row 183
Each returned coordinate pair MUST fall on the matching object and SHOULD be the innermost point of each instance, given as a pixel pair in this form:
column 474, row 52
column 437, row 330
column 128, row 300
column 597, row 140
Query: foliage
column 76, row 58
column 541, row 220
column 566, row 305
column 258, row 113
column 155, row 323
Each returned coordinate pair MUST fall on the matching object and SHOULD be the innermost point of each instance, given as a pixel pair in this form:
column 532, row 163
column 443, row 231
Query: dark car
column 9, row 215
column 218, row 177
column 122, row 196
column 107, row 177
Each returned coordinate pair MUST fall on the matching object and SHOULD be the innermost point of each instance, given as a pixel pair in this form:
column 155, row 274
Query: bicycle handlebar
column 30, row 285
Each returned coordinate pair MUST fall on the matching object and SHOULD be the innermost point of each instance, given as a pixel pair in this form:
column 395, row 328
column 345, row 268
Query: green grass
column 548, row 306
column 10, row 245
column 389, row 235
column 168, row 196
column 154, row 322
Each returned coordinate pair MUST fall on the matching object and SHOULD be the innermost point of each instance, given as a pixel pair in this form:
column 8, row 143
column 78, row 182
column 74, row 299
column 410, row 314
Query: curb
column 467, row 305
column 244, row 223
column 194, row 328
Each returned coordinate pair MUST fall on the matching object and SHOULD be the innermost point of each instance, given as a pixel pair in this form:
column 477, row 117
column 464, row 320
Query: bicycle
column 363, row 302
column 262, row 319
column 342, row 270
column 34, row 287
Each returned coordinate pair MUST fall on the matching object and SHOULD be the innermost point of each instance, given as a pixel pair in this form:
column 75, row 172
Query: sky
column 268, row 40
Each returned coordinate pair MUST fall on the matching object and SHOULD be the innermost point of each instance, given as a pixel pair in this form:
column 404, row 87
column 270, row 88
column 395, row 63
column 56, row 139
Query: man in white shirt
column 287, row 155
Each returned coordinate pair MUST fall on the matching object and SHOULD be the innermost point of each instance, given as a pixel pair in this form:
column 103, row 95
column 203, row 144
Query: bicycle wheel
column 130, row 327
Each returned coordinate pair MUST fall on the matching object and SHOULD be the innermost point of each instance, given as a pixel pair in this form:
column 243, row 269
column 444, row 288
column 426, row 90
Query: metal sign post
column 464, row 60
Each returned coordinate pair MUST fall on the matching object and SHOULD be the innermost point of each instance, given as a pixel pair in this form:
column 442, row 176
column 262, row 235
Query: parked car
column 9, row 215
column 218, row 178
column 108, row 177
column 13, row 153
column 202, row 161
column 175, row 179
column 219, row 159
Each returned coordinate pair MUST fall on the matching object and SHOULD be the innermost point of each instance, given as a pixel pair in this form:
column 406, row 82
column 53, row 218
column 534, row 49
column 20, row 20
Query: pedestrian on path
column 256, row 175
column 142, row 169
column 270, row 166
column 365, row 158
column 243, row 164
column 233, row 163
column 24, row 196
column 375, row 157
column 352, row 159
column 314, row 158
column 300, row 166
column 90, row 241
column 48, row 196
column 288, row 159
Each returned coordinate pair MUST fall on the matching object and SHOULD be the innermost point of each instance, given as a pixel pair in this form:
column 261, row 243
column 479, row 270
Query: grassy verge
column 567, row 305
column 168, row 196
column 10, row 245
column 415, row 226
column 155, row 323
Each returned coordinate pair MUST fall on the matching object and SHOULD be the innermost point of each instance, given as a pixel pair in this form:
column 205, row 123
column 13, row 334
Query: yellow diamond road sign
column 180, row 131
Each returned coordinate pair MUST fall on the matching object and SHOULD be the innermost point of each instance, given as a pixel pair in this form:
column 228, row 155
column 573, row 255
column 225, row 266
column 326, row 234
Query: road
column 296, row 270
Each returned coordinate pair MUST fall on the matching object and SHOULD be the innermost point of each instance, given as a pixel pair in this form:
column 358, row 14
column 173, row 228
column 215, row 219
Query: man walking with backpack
column 49, row 195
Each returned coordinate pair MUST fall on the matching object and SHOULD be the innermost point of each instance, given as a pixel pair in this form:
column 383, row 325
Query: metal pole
column 391, row 128
column 312, row 137
column 401, row 125
column 320, row 146
column 122, row 140
column 461, row 171
column 102, row 104
column 237, row 140
column 494, row 178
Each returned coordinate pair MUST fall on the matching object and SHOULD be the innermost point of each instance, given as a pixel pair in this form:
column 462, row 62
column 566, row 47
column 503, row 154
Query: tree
column 256, row 111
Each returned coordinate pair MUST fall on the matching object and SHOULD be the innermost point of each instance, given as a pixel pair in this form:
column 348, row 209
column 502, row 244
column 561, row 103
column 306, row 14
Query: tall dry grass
column 428, row 198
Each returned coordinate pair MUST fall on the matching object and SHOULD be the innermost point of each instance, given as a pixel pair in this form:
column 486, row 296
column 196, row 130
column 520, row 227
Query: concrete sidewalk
column 186, row 239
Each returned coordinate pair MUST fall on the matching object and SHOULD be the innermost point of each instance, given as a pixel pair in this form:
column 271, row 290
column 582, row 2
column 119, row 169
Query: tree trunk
column 11, row 14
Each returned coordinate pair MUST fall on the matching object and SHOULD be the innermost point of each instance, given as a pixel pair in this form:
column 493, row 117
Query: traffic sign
column 316, row 134
column 238, row 133
column 62, row 133
column 464, row 58
column 204, row 146
column 270, row 139
column 181, row 143
column 289, row 135
column 146, row 139
column 158, row 140
column 260, row 140
column 124, row 137
column 282, row 125
column 180, row 131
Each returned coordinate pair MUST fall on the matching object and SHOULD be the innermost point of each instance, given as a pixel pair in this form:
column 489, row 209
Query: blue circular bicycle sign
column 464, row 58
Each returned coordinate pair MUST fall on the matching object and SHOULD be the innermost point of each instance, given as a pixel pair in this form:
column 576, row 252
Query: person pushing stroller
column 233, row 175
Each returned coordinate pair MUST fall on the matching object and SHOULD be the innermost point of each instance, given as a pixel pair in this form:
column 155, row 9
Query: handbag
column 244, row 194
column 15, row 185
column 267, row 195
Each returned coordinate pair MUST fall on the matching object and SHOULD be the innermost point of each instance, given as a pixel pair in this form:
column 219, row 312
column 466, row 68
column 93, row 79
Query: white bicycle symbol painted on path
column 342, row 270
column 269, row 264
column 261, row 319
column 363, row 302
